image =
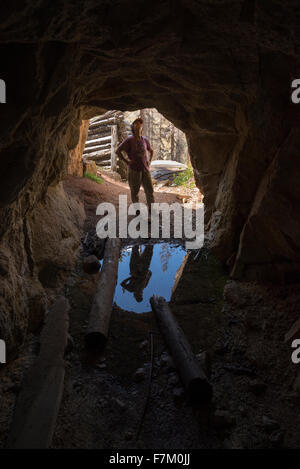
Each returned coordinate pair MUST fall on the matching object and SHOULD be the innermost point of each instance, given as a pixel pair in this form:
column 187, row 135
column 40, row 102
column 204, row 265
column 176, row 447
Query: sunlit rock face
column 75, row 163
column 219, row 70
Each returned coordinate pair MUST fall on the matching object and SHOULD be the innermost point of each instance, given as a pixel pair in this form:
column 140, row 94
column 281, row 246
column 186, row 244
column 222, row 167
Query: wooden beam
column 39, row 400
column 101, row 132
column 98, row 141
column 114, row 144
column 101, row 121
column 103, row 116
column 105, row 146
column 99, row 319
column 198, row 388
column 104, row 163
column 96, row 148
column 97, row 154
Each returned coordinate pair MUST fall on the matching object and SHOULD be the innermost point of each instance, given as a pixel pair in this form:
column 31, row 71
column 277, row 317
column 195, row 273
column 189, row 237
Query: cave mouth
column 107, row 131
column 221, row 72
column 171, row 173
column 154, row 266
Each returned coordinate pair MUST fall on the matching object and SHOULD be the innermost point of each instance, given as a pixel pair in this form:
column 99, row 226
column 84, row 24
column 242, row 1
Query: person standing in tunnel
column 136, row 147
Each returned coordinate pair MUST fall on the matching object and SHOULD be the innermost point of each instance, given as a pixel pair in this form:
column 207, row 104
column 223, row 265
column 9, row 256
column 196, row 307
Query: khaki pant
column 135, row 180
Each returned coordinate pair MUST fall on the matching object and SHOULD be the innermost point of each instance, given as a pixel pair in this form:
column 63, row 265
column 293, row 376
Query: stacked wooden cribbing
column 102, row 139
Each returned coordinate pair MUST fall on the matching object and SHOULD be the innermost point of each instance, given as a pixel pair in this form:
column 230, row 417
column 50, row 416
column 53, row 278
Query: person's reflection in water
column 139, row 271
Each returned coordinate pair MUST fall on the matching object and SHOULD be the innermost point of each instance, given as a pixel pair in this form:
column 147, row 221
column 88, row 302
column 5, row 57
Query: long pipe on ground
column 198, row 389
column 39, row 400
column 99, row 319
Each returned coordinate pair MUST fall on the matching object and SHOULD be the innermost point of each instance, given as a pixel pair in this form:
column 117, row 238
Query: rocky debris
column 143, row 345
column 173, row 379
column 257, row 387
column 139, row 375
column 269, row 424
column 70, row 344
column 102, row 366
column 276, row 438
column 222, row 419
column 293, row 333
column 232, row 294
column 90, row 167
column 178, row 395
column 111, row 174
column 91, row 264
column 93, row 245
column 205, row 362
column 167, row 362
column 221, row 347
column 119, row 404
column 128, row 435
column 239, row 370
column 242, row 410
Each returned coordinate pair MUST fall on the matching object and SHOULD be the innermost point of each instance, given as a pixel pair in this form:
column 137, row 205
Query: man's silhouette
column 139, row 271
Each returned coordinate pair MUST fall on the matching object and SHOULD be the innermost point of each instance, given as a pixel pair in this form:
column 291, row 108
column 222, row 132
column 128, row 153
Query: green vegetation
column 93, row 177
column 185, row 178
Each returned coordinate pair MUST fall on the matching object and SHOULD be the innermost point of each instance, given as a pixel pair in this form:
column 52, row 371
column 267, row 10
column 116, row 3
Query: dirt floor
column 237, row 335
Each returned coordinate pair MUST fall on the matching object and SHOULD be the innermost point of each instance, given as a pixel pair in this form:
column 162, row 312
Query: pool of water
column 145, row 270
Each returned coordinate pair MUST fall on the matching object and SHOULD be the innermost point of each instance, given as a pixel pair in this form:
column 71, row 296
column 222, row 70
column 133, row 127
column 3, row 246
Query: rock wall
column 221, row 71
column 35, row 257
column 75, row 164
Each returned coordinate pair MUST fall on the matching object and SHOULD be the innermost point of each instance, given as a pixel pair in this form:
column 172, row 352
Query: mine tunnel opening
column 146, row 266
column 171, row 164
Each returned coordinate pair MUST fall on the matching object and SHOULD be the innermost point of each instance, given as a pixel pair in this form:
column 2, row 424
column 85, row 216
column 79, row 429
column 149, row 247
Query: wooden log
column 92, row 149
column 106, row 115
column 39, row 400
column 97, row 135
column 104, row 163
column 198, row 388
column 105, row 147
column 103, row 116
column 101, row 132
column 101, row 129
column 114, row 144
column 99, row 319
column 100, row 144
column 98, row 156
column 98, row 141
column 102, row 121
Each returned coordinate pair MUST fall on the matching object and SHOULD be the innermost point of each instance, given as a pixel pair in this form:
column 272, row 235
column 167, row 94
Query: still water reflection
column 145, row 270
